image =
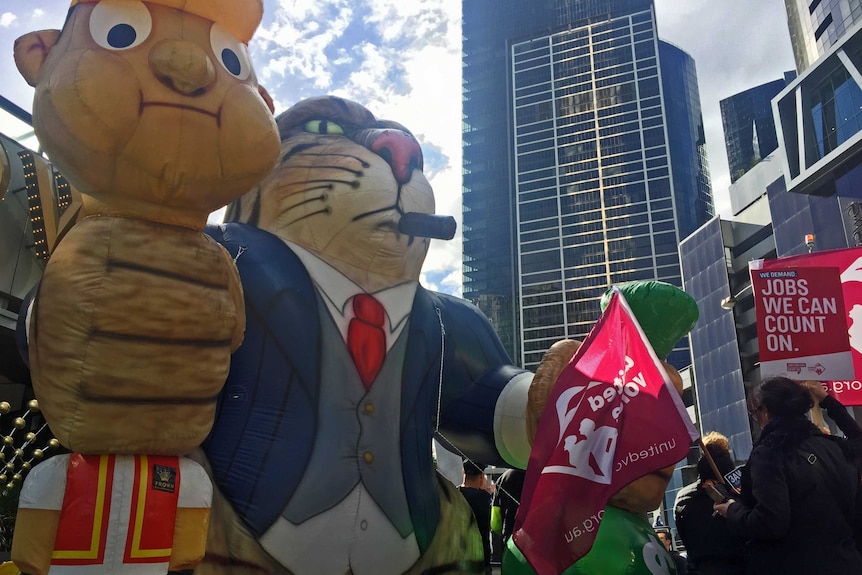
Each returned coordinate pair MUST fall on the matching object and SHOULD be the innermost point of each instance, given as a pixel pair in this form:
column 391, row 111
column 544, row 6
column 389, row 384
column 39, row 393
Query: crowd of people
column 798, row 508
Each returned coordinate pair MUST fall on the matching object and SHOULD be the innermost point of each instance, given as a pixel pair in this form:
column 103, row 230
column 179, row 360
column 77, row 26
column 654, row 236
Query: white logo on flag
column 593, row 456
column 591, row 450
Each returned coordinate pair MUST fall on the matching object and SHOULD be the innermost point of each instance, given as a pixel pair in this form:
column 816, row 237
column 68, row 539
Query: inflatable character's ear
column 266, row 98
column 31, row 51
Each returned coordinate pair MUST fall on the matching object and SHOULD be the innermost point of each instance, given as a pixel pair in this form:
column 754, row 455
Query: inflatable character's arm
column 483, row 395
column 38, row 516
column 193, row 514
column 235, row 290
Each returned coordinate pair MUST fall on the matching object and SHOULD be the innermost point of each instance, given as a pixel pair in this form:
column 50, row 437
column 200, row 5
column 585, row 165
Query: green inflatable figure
column 625, row 542
column 625, row 545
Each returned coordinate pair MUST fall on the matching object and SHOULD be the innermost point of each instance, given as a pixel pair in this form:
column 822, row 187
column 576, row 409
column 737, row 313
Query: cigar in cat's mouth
column 427, row 226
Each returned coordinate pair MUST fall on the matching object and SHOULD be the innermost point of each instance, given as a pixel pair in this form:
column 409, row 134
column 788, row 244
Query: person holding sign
column 801, row 502
column 711, row 549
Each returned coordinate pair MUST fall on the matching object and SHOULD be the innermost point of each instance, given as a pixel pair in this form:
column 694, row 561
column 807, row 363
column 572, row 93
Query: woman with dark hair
column 801, row 502
column 710, row 548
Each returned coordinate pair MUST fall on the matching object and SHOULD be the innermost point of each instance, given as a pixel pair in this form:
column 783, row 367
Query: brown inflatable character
column 151, row 109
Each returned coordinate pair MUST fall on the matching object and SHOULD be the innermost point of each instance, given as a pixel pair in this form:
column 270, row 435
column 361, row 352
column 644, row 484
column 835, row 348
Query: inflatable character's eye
column 323, row 127
column 120, row 24
column 230, row 52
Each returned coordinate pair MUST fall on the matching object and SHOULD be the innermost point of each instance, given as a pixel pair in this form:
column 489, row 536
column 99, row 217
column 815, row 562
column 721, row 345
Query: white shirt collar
column 338, row 290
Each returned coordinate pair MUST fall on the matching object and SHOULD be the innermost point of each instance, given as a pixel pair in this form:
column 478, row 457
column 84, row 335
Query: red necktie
column 366, row 339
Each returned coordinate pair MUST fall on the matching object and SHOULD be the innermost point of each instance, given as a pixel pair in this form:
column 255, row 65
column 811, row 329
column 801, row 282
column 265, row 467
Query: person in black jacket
column 508, row 498
column 801, row 500
column 475, row 491
column 710, row 547
column 664, row 535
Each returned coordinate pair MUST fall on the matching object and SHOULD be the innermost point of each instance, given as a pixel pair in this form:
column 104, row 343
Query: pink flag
column 612, row 417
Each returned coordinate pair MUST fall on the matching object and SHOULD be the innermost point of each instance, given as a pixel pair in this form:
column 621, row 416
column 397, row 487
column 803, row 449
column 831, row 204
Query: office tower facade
column 767, row 222
column 749, row 128
column 818, row 117
column 815, row 25
column 488, row 26
column 600, row 164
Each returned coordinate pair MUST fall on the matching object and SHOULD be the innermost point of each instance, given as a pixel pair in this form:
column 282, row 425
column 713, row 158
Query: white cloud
column 6, row 19
column 736, row 45
column 429, row 53
column 294, row 45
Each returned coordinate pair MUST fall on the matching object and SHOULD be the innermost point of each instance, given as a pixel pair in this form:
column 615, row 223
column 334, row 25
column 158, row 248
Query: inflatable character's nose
column 400, row 150
column 182, row 66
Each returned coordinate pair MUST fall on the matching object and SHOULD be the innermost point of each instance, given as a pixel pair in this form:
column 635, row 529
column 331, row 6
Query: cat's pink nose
column 400, row 150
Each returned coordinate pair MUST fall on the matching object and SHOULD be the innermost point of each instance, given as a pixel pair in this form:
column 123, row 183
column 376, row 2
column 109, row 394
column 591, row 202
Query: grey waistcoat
column 348, row 430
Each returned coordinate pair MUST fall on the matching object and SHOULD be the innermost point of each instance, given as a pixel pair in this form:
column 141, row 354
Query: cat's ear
column 31, row 50
column 266, row 98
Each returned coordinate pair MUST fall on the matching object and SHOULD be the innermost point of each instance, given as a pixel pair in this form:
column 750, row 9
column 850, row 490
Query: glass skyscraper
column 583, row 162
column 815, row 25
column 488, row 198
column 818, row 118
column 749, row 127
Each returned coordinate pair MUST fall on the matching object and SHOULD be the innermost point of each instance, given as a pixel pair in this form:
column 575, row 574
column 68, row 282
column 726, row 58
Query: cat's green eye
column 323, row 127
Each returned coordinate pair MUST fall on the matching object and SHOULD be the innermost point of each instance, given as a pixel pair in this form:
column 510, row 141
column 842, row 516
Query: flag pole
column 711, row 461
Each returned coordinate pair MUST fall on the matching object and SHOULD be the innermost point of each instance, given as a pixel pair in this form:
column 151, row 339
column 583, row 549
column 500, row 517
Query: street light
column 730, row 301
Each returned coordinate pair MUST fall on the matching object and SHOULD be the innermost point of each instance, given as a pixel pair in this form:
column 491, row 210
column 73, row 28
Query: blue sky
column 402, row 60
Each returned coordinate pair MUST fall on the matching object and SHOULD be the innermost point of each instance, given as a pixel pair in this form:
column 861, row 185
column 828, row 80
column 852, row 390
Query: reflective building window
column 822, row 151
column 749, row 127
column 836, row 104
column 720, row 394
column 815, row 26
column 610, row 171
column 566, row 137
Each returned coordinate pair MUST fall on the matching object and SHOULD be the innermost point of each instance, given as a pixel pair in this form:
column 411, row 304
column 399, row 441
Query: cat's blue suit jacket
column 267, row 414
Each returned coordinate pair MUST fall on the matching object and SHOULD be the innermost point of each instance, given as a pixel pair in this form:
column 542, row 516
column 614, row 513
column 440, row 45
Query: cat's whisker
column 298, row 149
column 325, row 210
column 325, row 167
column 303, row 149
column 320, row 198
column 328, row 183
column 363, row 215
column 362, row 162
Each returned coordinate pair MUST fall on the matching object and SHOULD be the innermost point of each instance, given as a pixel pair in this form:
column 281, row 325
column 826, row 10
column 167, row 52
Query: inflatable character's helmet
column 239, row 17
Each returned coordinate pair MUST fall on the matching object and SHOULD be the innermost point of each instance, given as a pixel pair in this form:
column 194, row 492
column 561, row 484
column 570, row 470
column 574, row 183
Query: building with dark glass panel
column 488, row 27
column 749, row 128
column 719, row 390
column 815, row 25
column 814, row 156
column 767, row 222
column 603, row 145
column 818, row 118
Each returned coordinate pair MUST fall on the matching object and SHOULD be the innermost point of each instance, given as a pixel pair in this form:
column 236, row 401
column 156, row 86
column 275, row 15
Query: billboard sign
column 848, row 262
column 801, row 323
